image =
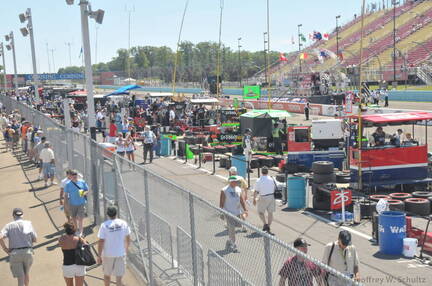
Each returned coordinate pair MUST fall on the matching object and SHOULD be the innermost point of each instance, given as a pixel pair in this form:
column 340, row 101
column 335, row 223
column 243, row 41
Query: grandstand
column 413, row 49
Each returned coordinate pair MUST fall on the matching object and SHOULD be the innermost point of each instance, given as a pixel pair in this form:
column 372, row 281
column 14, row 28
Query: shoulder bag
column 83, row 254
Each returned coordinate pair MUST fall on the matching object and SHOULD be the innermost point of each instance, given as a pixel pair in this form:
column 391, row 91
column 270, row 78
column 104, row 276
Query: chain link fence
column 172, row 229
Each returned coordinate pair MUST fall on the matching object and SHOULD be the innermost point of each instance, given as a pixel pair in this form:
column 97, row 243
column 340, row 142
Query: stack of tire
column 323, row 172
column 417, row 203
column 394, row 204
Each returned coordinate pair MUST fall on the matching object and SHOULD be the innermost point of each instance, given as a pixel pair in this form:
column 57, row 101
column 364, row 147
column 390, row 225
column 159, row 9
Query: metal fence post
column 148, row 230
column 94, row 180
column 193, row 239
column 214, row 161
column 267, row 256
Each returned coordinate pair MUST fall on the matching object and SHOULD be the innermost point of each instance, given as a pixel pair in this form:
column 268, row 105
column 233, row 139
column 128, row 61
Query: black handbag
column 83, row 254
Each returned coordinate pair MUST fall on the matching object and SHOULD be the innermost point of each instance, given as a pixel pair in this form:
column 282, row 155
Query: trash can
column 392, row 231
column 296, row 192
column 239, row 161
column 165, row 149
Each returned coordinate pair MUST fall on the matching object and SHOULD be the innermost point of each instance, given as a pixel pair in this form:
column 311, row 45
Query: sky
column 157, row 23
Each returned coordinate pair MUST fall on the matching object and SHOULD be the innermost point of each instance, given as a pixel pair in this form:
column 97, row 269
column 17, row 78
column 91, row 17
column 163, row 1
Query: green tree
column 71, row 69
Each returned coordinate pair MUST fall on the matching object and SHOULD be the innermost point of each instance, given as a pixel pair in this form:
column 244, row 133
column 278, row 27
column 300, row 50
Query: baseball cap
column 232, row 179
column 111, row 211
column 233, row 169
column 345, row 237
column 17, row 212
column 300, row 242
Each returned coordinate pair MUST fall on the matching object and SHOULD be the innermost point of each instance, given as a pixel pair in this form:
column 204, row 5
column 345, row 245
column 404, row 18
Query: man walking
column 232, row 201
column 265, row 186
column 298, row 271
column 63, row 184
column 47, row 160
column 74, row 200
column 342, row 256
column 21, row 236
column 149, row 139
column 306, row 110
column 113, row 244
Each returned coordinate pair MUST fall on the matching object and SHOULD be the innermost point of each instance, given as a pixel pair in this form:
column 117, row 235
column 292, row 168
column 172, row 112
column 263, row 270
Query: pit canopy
column 124, row 89
column 401, row 118
column 204, row 100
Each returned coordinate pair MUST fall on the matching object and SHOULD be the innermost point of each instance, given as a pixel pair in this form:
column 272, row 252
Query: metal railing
column 154, row 207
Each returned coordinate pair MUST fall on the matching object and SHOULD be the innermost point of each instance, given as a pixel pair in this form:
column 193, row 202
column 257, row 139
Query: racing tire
column 376, row 198
column 423, row 195
column 342, row 178
column 430, row 200
column 396, row 205
column 400, row 196
column 418, row 206
column 324, row 178
column 280, row 178
column 322, row 205
column 323, row 167
column 367, row 208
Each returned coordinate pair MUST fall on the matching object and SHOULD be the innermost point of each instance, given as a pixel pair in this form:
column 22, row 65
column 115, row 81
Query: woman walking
column 130, row 147
column 68, row 244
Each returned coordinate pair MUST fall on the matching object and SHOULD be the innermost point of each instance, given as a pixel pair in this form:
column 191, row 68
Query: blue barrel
column 296, row 192
column 165, row 146
column 392, row 231
column 239, row 161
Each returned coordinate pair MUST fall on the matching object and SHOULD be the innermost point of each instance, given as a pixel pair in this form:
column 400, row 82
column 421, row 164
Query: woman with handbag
column 68, row 243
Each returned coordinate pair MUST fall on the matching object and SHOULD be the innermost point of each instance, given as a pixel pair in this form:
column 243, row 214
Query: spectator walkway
column 20, row 188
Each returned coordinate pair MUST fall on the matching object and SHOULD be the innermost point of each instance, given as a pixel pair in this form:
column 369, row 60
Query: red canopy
column 78, row 92
column 396, row 117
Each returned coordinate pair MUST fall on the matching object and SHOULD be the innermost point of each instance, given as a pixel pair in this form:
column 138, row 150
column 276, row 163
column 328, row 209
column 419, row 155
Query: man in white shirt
column 265, row 186
column 148, row 140
column 62, row 187
column 172, row 117
column 46, row 157
column 114, row 240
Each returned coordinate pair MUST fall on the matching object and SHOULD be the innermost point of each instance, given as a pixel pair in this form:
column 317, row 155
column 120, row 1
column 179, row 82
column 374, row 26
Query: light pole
column 27, row 16
column 394, row 40
column 337, row 37
column 265, row 57
column 68, row 44
column 2, row 53
column 11, row 46
column 300, row 45
column 98, row 15
column 239, row 62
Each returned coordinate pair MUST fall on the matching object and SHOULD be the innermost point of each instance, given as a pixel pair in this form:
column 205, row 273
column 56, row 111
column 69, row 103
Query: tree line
column 195, row 62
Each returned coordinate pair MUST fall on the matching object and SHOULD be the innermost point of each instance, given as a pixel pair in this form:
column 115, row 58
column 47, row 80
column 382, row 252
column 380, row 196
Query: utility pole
column 69, row 48
column 53, row 62
column 265, row 58
column 129, row 11
column 300, row 45
column 2, row 53
column 337, row 38
column 48, row 58
column 394, row 40
column 11, row 46
column 239, row 62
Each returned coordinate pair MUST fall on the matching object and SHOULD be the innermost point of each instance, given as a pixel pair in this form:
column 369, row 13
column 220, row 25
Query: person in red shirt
column 298, row 271
column 112, row 132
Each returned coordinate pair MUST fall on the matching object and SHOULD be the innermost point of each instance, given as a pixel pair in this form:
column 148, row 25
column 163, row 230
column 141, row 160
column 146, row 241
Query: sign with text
column 55, row 76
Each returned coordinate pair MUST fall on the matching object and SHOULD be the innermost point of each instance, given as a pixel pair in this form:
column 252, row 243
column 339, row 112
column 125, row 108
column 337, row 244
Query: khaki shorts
column 77, row 211
column 267, row 203
column 115, row 266
column 71, row 271
column 20, row 262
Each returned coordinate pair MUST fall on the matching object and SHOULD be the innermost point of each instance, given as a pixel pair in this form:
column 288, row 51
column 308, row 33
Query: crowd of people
column 17, row 238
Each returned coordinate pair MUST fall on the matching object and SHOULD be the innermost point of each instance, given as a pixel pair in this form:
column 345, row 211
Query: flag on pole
column 80, row 54
column 303, row 56
column 302, row 37
column 326, row 37
column 282, row 58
